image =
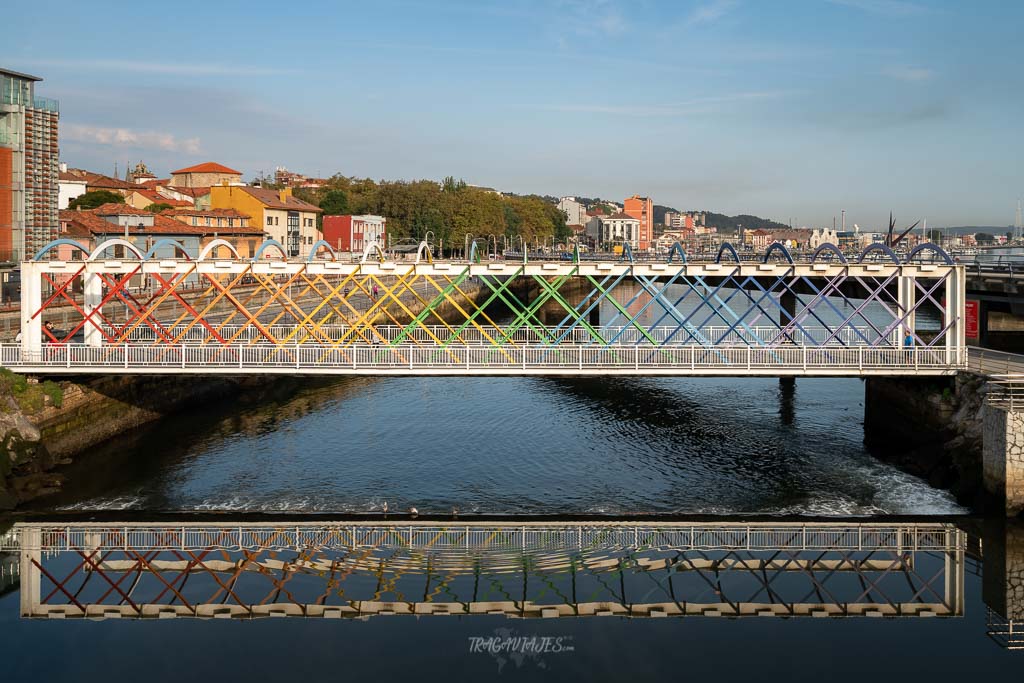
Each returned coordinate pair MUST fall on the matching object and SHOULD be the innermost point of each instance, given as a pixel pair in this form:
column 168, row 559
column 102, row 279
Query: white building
column 576, row 213
column 820, row 237
column 69, row 186
column 614, row 229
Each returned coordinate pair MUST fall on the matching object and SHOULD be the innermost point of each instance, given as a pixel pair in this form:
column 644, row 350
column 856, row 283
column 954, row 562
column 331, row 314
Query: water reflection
column 357, row 570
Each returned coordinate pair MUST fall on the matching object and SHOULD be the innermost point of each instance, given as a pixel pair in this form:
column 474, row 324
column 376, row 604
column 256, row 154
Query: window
column 208, row 220
column 270, row 221
column 277, row 220
column 195, row 221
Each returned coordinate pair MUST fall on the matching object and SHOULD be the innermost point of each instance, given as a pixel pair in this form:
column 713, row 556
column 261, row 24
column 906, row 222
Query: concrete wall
column 1003, row 457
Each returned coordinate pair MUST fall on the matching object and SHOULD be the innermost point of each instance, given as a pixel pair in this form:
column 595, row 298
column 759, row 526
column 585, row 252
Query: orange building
column 642, row 209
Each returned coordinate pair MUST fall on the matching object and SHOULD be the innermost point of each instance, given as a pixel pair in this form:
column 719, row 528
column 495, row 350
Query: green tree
column 157, row 207
column 334, row 203
column 90, row 200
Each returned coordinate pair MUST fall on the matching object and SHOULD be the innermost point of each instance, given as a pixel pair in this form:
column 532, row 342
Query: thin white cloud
column 701, row 105
column 125, row 137
column 165, row 68
column 889, row 8
column 909, row 74
column 710, row 12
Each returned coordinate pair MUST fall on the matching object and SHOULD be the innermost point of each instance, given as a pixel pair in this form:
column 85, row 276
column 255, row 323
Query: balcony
column 46, row 104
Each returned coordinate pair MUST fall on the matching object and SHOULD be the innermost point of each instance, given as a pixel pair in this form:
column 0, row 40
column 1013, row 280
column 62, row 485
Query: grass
column 31, row 398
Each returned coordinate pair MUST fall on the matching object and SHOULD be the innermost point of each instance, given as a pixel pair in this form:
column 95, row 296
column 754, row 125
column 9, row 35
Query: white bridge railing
column 484, row 359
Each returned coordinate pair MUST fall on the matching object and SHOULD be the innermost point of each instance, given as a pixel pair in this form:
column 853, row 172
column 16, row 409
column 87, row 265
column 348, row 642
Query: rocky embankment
column 45, row 425
column 931, row 428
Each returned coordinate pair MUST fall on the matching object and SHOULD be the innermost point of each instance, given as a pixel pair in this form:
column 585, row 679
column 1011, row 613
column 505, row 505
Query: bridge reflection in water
column 336, row 570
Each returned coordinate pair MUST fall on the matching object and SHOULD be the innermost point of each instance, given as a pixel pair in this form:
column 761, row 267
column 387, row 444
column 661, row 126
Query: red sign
column 971, row 309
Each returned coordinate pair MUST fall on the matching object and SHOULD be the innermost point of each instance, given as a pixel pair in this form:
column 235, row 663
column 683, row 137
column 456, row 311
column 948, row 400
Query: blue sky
column 790, row 109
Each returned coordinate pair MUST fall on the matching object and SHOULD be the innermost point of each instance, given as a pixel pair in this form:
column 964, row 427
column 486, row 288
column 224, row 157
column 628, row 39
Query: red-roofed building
column 142, row 197
column 205, row 175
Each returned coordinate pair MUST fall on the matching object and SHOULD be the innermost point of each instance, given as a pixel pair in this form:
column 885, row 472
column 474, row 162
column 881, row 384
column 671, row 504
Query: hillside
column 721, row 221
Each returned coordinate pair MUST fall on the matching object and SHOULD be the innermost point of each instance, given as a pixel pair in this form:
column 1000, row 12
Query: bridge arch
column 828, row 246
column 56, row 243
column 473, row 256
column 100, row 248
column 424, row 248
column 724, row 248
column 676, row 248
column 932, row 247
column 878, row 246
column 315, row 247
column 268, row 245
column 372, row 246
column 777, row 246
column 219, row 243
column 175, row 243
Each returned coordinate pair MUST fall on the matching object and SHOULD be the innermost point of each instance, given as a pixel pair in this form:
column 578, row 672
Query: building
column 575, row 212
column 353, row 233
column 226, row 224
column 282, row 217
column 820, row 237
column 758, row 239
column 642, row 209
column 140, row 175
column 142, row 197
column 29, row 169
column 205, row 175
column 675, row 220
column 95, row 182
column 69, row 186
column 607, row 232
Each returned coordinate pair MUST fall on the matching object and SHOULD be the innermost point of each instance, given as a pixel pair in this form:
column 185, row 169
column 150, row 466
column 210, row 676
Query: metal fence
column 529, row 537
column 480, row 359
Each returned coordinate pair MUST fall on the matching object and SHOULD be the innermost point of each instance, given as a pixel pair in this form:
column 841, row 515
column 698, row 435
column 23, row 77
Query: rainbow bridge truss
column 116, row 310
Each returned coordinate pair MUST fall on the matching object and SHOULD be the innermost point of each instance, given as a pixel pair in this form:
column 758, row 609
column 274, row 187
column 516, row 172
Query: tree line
column 450, row 210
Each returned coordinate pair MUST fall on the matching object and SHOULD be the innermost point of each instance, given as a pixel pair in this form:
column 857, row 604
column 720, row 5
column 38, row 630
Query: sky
column 789, row 109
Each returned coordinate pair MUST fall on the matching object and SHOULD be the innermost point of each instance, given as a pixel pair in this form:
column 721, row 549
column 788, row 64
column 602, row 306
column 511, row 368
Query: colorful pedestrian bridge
column 119, row 311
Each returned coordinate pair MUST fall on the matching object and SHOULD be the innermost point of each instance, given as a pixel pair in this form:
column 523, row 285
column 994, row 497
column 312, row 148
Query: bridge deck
column 486, row 360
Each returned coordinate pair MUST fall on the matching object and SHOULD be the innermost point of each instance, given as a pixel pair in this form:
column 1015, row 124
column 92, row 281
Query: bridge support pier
column 1003, row 456
column 1002, row 587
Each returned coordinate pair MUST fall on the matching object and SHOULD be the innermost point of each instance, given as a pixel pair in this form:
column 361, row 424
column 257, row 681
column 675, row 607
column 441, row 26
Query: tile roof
column 94, row 222
column 99, row 180
column 208, row 167
column 69, row 177
column 219, row 213
column 621, row 216
column 157, row 198
column 272, row 200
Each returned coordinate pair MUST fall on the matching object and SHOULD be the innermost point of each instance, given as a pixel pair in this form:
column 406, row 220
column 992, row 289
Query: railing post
column 748, row 357
column 804, row 349
column 523, row 349
column 241, row 349
column 860, row 359
column 125, row 347
column 693, row 358
column 636, row 357
column 579, row 351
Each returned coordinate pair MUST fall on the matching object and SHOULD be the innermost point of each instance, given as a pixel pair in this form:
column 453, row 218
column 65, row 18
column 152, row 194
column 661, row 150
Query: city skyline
column 791, row 112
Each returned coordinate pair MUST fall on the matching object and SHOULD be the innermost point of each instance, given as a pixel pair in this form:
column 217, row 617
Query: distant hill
column 721, row 221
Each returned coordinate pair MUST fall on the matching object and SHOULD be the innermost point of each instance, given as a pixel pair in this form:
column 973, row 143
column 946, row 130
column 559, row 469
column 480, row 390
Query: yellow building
column 284, row 218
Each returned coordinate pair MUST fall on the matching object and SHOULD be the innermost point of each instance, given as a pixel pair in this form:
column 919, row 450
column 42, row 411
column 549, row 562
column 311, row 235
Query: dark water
column 513, row 446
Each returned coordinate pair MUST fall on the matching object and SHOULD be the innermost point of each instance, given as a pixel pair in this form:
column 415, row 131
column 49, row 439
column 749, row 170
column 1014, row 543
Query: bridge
column 118, row 311
column 358, row 570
